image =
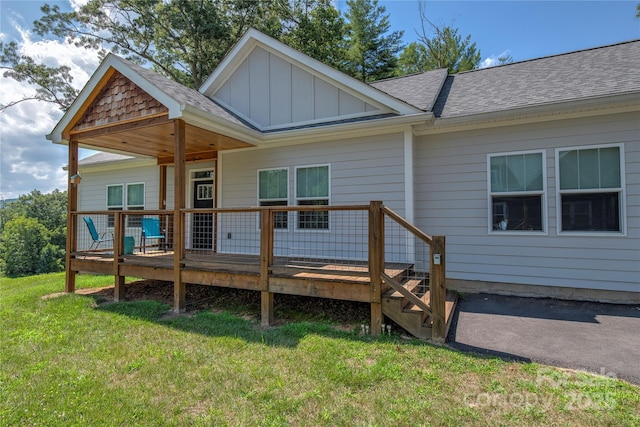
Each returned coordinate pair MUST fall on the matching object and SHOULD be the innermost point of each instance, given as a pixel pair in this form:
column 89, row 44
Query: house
column 531, row 170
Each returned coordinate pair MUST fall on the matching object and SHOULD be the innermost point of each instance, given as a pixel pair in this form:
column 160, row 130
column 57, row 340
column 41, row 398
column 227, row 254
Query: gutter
column 584, row 107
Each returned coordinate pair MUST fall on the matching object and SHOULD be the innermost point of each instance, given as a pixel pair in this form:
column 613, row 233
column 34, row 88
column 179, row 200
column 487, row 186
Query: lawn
column 74, row 361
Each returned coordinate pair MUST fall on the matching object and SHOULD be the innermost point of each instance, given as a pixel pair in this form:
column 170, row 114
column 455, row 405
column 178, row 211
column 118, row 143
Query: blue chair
column 151, row 230
column 97, row 238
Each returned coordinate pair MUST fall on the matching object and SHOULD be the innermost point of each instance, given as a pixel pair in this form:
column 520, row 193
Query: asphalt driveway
column 594, row 337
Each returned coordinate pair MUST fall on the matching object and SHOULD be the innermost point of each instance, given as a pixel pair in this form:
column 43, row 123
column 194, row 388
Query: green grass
column 68, row 361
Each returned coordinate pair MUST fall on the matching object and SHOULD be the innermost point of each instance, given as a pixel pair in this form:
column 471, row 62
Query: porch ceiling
column 155, row 137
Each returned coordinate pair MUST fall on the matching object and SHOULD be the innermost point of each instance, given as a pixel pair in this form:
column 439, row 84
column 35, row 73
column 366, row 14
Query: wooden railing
column 347, row 239
column 437, row 272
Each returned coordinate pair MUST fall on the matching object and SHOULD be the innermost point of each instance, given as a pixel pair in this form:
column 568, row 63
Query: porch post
column 162, row 204
column 179, row 287
column 118, row 244
column 376, row 263
column 72, row 221
column 266, row 260
column 438, row 289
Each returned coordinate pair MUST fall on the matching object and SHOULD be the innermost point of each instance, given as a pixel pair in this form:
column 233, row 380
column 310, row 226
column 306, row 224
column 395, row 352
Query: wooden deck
column 307, row 277
column 345, row 263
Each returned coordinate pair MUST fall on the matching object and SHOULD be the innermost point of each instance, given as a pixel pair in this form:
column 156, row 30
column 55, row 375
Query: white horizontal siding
column 451, row 199
column 92, row 191
column 362, row 170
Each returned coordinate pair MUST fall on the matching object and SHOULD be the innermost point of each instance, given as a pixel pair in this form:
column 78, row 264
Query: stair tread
column 410, row 285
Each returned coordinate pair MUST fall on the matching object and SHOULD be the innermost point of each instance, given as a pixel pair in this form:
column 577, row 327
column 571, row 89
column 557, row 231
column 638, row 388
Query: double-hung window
column 312, row 189
column 590, row 189
column 516, row 191
column 134, row 197
column 115, row 201
column 135, row 201
column 273, row 190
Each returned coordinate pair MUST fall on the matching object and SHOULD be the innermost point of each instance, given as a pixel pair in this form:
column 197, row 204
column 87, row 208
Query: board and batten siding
column 452, row 199
column 272, row 92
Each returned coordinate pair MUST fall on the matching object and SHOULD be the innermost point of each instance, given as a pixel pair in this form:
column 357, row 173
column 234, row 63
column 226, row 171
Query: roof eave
column 585, row 107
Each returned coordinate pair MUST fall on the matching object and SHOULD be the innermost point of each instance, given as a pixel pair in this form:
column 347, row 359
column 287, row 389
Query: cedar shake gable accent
column 119, row 100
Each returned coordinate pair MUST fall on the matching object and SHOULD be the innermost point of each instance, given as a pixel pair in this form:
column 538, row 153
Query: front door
column 202, row 225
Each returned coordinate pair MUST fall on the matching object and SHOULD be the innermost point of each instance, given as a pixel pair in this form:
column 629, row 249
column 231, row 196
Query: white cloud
column 28, row 160
column 493, row 59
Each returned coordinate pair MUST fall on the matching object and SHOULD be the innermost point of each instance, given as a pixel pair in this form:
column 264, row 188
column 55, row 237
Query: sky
column 522, row 29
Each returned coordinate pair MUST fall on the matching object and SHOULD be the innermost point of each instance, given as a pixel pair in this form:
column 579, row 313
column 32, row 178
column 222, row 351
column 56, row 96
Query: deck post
column 118, row 244
column 376, row 263
column 438, row 288
column 162, row 202
column 266, row 259
column 179, row 287
column 72, row 220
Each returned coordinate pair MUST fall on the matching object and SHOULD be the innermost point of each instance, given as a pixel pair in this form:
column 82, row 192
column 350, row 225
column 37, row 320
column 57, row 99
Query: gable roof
column 592, row 73
column 177, row 98
column 420, row 90
column 253, row 39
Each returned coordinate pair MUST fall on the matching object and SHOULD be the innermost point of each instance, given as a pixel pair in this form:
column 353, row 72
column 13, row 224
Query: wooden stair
column 410, row 316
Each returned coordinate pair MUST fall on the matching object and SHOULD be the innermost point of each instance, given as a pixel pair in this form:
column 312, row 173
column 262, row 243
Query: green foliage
column 439, row 47
column 315, row 28
column 53, row 85
column 371, row 52
column 22, row 242
column 39, row 211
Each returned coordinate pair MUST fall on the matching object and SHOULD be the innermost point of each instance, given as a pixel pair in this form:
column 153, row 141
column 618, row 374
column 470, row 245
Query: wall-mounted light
column 75, row 178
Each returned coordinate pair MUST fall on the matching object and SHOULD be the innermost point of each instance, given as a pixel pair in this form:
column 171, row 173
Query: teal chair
column 95, row 236
column 151, row 230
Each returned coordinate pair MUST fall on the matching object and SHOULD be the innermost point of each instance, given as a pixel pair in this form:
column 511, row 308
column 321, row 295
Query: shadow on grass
column 224, row 324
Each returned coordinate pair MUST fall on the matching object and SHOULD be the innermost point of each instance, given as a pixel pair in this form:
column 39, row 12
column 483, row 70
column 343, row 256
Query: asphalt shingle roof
column 420, row 90
column 608, row 70
column 183, row 94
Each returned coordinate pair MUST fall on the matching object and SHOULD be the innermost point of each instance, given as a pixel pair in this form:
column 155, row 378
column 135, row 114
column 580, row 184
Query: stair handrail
column 407, row 225
column 437, row 274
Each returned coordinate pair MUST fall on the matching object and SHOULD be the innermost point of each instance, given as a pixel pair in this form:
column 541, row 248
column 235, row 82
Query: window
column 273, row 190
column 516, row 191
column 312, row 189
column 114, row 201
column 134, row 197
column 135, row 201
column 590, row 189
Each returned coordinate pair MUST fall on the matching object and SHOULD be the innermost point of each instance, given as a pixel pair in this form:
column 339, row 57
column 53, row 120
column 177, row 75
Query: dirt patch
column 346, row 314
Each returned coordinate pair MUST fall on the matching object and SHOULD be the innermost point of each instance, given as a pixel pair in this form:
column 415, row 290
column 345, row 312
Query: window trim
column 286, row 200
column 144, row 195
column 543, row 197
column 621, row 191
column 296, row 198
column 120, row 207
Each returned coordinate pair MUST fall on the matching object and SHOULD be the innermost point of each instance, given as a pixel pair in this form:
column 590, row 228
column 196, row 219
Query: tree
column 49, row 211
column 438, row 47
column 52, row 84
column 371, row 55
column 22, row 242
column 315, row 27
column 181, row 39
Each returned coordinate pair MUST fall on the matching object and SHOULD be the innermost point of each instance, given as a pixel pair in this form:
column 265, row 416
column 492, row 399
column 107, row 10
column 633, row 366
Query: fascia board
column 586, row 107
column 195, row 116
column 254, row 38
column 345, row 130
